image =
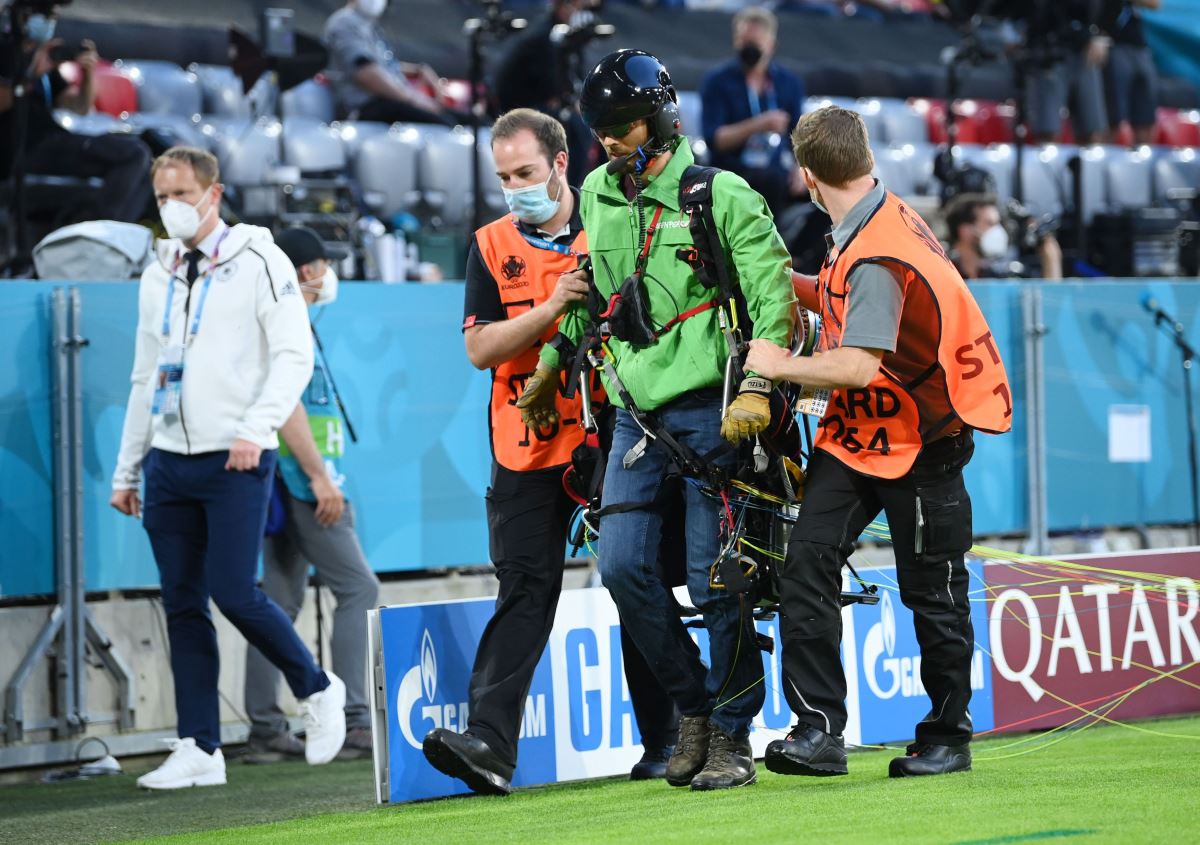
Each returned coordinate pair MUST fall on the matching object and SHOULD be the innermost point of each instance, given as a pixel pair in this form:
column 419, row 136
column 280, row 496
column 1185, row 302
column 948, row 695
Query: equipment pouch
column 629, row 314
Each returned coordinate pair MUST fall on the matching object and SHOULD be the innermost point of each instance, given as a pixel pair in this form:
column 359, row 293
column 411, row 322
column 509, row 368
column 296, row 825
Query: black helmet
column 631, row 85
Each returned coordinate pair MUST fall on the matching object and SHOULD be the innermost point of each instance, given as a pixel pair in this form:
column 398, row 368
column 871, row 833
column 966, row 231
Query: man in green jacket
column 667, row 354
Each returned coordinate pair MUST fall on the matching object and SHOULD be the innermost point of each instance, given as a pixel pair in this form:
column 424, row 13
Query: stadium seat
column 1046, row 179
column 115, row 92
column 691, row 114
column 96, row 123
column 164, row 87
column 918, row 159
column 1093, row 162
column 493, row 195
column 312, row 98
column 1175, row 128
column 314, row 147
column 182, row 130
column 353, row 133
column 247, row 150
column 1129, row 178
column 996, row 122
column 934, row 113
column 1175, row 170
column 893, row 168
column 385, row 165
column 444, row 173
column 900, row 123
column 221, row 91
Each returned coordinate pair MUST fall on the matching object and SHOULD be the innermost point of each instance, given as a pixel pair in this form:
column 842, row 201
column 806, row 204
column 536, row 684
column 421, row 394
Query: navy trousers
column 206, row 529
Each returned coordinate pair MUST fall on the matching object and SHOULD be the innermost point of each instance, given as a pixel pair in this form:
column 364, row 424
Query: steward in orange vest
column 519, row 283
column 910, row 369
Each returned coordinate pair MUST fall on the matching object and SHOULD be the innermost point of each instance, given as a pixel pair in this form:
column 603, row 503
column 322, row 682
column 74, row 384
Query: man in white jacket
column 223, row 353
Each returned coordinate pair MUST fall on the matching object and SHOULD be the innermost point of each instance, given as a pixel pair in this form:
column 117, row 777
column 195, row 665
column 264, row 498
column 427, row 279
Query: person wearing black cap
column 312, row 523
column 666, row 355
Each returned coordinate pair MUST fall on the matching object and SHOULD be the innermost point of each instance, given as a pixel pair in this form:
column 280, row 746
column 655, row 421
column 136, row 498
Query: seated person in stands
column 750, row 104
column 979, row 243
column 370, row 83
column 32, row 85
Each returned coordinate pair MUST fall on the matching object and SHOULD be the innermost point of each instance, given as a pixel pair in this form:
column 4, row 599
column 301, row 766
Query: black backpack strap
column 707, row 256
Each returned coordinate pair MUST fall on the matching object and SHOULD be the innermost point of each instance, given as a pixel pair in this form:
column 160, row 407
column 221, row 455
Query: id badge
column 168, row 384
column 813, row 402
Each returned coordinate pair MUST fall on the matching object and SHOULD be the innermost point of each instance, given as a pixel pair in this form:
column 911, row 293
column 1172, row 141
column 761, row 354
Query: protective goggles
column 619, row 130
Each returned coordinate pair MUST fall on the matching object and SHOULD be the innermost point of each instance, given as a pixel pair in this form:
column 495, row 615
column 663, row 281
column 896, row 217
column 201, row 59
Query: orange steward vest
column 526, row 276
column 946, row 370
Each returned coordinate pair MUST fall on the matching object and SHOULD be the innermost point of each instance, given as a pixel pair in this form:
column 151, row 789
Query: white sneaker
column 324, row 715
column 187, row 766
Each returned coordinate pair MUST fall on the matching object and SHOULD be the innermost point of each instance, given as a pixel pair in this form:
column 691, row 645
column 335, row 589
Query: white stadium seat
column 164, row 87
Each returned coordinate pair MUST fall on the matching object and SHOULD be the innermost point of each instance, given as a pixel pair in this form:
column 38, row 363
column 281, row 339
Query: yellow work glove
column 750, row 413
column 536, row 402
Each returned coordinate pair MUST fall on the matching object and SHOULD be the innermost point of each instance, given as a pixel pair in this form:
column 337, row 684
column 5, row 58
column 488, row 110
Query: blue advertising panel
column 886, row 663
column 579, row 721
column 428, row 652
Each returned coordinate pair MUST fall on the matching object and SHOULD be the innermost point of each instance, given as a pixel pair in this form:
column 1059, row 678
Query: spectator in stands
column 317, row 529
column 217, row 369
column 749, row 104
column 370, row 83
column 535, row 72
column 31, row 139
column 979, row 242
column 1067, row 50
column 1130, row 78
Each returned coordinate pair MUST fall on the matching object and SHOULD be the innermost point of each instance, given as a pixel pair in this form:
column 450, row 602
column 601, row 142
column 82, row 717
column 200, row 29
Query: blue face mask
column 39, row 28
column 532, row 204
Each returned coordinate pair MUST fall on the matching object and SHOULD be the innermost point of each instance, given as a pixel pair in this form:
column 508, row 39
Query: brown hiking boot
column 691, row 750
column 730, row 763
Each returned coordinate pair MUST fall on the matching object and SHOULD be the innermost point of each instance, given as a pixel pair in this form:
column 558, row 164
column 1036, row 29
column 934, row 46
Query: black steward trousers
column 838, row 504
column 528, row 519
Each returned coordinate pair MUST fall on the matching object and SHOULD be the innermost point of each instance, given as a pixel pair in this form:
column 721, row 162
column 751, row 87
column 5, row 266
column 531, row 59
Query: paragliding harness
column 759, row 497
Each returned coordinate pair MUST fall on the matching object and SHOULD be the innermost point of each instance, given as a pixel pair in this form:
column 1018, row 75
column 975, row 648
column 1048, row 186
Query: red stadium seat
column 1124, row 136
column 996, row 121
column 978, row 121
column 115, row 92
column 1066, row 132
column 1175, row 128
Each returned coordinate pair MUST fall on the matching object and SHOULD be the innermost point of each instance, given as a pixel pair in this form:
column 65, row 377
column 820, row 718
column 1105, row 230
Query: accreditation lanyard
column 542, row 243
column 755, row 106
column 190, row 335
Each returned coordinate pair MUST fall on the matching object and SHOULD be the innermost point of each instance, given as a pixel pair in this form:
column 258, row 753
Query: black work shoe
column 653, row 765
column 807, row 751
column 730, row 763
column 691, row 750
column 925, row 759
column 275, row 749
column 469, row 759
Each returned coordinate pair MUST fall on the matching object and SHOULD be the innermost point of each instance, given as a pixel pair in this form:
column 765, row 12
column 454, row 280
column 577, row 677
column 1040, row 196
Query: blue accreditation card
column 168, row 382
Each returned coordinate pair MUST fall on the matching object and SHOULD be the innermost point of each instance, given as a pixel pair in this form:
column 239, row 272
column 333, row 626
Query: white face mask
column 327, row 292
column 372, row 8
column 181, row 219
column 532, row 204
column 994, row 242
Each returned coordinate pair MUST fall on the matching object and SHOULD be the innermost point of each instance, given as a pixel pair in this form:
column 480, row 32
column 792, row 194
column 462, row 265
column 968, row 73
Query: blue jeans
column 731, row 690
column 206, row 529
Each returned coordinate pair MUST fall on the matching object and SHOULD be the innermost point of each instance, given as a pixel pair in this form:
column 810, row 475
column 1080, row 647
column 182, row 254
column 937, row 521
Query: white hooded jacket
column 248, row 363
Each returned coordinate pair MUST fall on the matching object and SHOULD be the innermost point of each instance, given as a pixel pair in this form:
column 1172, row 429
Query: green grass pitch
column 1104, row 784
